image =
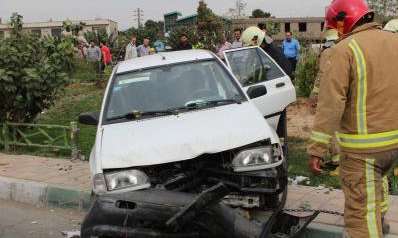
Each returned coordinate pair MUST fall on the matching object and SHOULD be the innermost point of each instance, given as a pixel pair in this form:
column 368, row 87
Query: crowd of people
column 286, row 56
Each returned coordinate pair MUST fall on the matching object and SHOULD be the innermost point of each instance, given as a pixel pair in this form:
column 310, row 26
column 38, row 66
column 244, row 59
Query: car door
column 253, row 66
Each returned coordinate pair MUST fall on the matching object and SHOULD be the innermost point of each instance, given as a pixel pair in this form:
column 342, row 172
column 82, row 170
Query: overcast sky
column 122, row 11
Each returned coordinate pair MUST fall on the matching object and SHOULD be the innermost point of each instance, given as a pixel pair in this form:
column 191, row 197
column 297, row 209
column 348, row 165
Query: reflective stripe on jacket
column 359, row 93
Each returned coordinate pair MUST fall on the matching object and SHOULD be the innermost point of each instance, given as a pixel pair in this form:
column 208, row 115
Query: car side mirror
column 88, row 119
column 256, row 91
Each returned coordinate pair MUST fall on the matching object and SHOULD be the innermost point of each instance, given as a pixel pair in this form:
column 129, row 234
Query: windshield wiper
column 212, row 102
column 137, row 114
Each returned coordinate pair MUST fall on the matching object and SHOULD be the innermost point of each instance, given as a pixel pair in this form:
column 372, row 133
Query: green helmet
column 253, row 36
column 391, row 26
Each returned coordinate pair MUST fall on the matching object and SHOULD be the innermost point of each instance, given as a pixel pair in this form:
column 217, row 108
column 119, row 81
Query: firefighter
column 331, row 35
column 357, row 99
column 253, row 36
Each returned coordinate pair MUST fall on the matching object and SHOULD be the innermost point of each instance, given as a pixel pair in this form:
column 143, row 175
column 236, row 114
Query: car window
column 251, row 66
column 171, row 86
column 272, row 70
column 246, row 65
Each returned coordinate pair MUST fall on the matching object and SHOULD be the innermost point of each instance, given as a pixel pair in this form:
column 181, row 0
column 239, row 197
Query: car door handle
column 280, row 85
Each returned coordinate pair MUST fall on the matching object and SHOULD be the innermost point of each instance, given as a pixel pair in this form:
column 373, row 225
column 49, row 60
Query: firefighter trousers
column 365, row 186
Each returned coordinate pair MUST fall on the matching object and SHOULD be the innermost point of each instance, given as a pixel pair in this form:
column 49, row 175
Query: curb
column 43, row 194
column 53, row 195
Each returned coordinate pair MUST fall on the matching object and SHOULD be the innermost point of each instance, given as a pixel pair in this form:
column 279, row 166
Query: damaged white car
column 179, row 139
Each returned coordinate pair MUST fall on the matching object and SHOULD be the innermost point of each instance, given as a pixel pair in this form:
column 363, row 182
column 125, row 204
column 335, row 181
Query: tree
column 33, row 71
column 209, row 26
column 384, row 9
column 238, row 11
column 190, row 31
column 258, row 13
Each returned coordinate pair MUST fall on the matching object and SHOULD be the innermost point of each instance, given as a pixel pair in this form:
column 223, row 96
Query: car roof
column 163, row 58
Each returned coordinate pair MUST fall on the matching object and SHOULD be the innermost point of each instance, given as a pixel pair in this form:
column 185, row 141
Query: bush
column 306, row 73
column 33, row 72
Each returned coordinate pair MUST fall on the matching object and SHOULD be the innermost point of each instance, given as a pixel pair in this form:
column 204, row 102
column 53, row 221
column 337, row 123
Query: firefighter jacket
column 358, row 97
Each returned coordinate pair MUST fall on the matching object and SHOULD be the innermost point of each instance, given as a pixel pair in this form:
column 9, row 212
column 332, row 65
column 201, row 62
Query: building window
column 302, row 26
column 1, row 34
column 322, row 26
column 56, row 31
column 287, row 26
column 98, row 29
column 36, row 32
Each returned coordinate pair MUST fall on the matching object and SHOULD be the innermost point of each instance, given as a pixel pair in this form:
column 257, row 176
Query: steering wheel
column 202, row 93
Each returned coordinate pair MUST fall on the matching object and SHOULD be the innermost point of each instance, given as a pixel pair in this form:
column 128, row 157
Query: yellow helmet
column 252, row 36
column 392, row 26
column 331, row 35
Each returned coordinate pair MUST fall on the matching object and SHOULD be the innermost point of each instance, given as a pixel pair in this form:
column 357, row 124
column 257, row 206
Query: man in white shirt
column 131, row 49
column 237, row 43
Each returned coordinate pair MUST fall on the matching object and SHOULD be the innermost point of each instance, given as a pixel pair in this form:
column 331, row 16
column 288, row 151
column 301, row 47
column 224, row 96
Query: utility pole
column 139, row 14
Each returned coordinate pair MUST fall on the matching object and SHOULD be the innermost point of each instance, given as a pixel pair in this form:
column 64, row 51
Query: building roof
column 164, row 58
column 187, row 17
column 59, row 23
column 173, row 13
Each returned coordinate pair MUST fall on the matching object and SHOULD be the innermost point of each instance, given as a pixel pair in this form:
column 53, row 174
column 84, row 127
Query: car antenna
column 163, row 57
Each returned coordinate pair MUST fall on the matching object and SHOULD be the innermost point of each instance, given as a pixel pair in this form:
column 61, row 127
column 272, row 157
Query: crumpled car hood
column 181, row 137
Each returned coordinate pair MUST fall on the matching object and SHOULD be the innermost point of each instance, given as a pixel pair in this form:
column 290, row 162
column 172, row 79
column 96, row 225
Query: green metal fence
column 39, row 136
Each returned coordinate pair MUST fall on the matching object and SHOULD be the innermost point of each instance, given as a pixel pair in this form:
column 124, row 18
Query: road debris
column 71, row 234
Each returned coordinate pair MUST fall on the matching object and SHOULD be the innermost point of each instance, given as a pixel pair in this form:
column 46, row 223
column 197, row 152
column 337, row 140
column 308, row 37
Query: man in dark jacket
column 255, row 36
column 184, row 43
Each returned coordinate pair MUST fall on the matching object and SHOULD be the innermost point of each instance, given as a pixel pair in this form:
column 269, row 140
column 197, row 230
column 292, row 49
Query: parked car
column 177, row 133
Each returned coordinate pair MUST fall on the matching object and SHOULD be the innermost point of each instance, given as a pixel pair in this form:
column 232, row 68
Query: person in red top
column 106, row 56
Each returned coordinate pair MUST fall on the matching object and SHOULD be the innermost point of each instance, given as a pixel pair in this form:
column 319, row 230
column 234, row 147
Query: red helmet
column 344, row 14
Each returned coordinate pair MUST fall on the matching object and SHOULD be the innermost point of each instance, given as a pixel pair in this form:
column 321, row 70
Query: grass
column 77, row 98
column 299, row 165
column 86, row 71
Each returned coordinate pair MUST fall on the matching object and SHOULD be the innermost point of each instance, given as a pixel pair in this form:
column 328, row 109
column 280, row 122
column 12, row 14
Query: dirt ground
column 299, row 119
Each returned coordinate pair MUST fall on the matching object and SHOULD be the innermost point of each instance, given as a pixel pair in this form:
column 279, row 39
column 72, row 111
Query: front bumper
column 162, row 213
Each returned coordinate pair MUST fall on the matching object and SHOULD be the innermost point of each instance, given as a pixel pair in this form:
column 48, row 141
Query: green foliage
column 209, row 26
column 76, row 99
column 306, row 73
column 190, row 31
column 258, row 13
column 298, row 165
column 273, row 28
column 32, row 72
column 152, row 29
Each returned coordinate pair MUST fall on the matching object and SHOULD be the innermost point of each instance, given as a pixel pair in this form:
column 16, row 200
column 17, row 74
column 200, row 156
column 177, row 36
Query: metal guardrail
column 39, row 136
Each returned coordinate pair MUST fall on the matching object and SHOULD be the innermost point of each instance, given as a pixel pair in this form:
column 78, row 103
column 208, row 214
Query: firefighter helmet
column 252, row 36
column 343, row 15
column 392, row 26
column 331, row 34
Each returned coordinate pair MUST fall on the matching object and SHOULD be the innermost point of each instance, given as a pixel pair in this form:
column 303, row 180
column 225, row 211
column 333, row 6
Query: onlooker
column 184, row 43
column 159, row 46
column 131, row 49
column 144, row 49
column 106, row 56
column 93, row 52
column 263, row 27
column 224, row 45
column 291, row 48
column 237, row 43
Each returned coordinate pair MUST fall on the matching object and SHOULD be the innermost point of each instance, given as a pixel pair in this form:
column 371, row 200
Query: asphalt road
column 19, row 220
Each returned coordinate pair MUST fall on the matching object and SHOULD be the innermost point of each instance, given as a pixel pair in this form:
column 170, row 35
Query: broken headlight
column 257, row 158
column 133, row 179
